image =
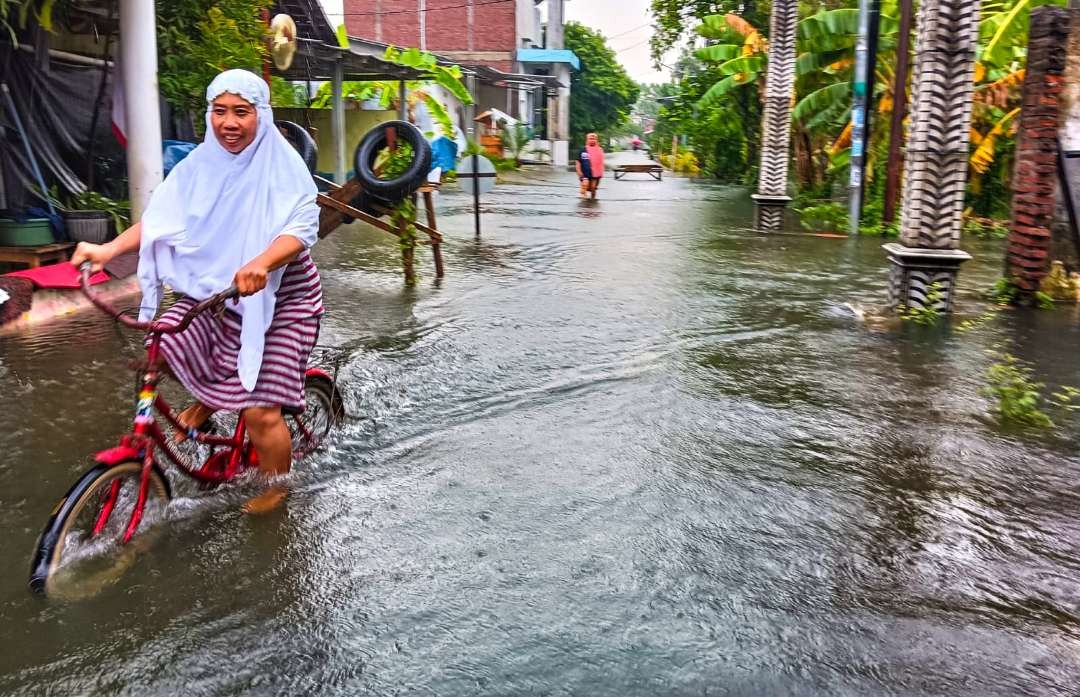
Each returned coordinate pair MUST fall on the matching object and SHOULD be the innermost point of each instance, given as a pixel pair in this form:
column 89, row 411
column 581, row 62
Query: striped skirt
column 203, row 357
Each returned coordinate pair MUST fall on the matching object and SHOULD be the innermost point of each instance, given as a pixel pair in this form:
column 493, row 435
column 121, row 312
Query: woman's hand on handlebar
column 251, row 278
column 96, row 254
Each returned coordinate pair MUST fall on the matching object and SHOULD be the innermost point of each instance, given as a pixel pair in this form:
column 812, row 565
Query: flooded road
column 625, row 448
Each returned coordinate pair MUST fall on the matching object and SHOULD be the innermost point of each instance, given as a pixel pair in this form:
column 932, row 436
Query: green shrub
column 930, row 314
column 824, row 217
column 1016, row 397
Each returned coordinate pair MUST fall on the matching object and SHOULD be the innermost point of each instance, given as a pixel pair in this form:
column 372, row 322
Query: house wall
column 357, row 123
column 481, row 33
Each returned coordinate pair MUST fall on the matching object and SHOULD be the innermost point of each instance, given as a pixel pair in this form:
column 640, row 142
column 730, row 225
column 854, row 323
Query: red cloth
column 57, row 276
column 596, row 160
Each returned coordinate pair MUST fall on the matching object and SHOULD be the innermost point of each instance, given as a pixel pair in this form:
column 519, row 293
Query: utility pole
column 138, row 34
column 337, row 122
column 865, row 66
column 895, row 166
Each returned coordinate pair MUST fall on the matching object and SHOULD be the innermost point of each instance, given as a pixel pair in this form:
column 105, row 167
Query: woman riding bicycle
column 240, row 210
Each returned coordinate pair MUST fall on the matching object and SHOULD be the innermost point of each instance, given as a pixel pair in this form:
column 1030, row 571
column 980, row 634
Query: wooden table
column 36, row 256
column 653, row 170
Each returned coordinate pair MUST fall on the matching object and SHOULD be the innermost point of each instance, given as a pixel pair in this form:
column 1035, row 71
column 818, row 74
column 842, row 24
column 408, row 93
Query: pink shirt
column 596, row 159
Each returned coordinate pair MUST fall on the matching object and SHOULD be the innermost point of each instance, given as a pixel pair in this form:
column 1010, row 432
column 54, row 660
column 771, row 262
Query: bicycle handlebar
column 153, row 326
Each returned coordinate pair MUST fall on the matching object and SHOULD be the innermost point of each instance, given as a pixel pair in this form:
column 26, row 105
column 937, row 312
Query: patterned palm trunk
column 936, row 165
column 772, row 197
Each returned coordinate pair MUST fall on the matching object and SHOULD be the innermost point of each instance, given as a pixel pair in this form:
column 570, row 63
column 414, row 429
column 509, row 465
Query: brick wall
column 1035, row 175
column 488, row 32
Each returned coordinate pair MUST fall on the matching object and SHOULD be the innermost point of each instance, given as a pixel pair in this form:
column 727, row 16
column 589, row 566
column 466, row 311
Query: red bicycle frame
column 147, row 439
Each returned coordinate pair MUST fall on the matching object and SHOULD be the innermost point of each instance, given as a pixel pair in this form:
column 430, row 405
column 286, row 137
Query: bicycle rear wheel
column 89, row 522
column 323, row 409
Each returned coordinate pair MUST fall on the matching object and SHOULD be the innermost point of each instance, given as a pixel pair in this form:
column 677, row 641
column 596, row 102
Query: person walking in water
column 590, row 166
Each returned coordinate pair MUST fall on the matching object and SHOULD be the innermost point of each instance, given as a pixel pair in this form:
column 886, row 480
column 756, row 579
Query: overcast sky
column 626, row 24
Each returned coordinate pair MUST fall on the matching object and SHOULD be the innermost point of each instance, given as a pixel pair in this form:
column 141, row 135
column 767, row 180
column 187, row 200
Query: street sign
column 476, row 171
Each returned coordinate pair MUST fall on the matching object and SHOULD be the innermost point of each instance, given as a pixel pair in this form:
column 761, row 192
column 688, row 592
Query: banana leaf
column 717, row 91
column 718, row 53
column 811, row 62
column 743, row 65
column 821, row 100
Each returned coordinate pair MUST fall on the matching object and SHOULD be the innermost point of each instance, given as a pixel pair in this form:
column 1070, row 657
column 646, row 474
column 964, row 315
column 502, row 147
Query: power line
column 631, row 48
column 478, row 3
column 629, row 31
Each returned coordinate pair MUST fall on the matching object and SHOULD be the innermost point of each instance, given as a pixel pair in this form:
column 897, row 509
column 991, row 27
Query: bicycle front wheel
column 89, row 522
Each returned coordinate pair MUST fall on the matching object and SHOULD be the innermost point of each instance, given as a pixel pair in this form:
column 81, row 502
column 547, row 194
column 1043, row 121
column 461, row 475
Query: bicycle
column 90, row 515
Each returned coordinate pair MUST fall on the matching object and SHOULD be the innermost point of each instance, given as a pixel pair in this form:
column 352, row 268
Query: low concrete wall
column 357, row 123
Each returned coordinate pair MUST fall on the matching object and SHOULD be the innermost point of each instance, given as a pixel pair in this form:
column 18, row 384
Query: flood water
column 625, row 448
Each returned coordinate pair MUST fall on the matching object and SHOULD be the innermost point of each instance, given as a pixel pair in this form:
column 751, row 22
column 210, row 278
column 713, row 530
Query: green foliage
column 438, row 112
column 1043, row 301
column 1016, row 396
column 197, row 39
column 684, row 162
column 1003, row 292
column 119, row 211
column 350, row 92
column 601, row 92
column 1003, row 29
column 1068, row 399
column 403, row 219
column 287, row 94
column 723, row 135
column 447, row 77
column 929, row 314
column 824, row 217
column 15, row 14
column 515, row 139
column 985, row 228
column 672, row 19
column 391, row 163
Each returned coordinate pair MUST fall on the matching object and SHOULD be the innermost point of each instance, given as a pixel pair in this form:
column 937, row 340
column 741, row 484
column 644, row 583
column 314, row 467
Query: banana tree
column 1003, row 31
column 740, row 50
column 446, row 77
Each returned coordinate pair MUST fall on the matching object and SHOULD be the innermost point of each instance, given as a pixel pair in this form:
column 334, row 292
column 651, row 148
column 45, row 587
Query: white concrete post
column 138, row 35
column 337, row 124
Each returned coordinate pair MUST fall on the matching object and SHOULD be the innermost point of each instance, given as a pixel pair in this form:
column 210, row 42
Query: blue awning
column 548, row 55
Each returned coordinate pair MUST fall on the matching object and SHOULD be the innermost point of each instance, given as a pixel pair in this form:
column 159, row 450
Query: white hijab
column 217, row 211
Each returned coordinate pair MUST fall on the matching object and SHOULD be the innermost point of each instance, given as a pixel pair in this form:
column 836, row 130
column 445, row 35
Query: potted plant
column 92, row 217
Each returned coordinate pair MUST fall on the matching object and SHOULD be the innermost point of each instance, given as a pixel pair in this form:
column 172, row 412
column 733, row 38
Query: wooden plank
column 34, row 256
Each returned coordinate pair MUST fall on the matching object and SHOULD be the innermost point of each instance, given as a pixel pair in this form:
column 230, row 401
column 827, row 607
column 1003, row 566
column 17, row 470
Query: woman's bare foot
column 268, row 501
column 192, row 417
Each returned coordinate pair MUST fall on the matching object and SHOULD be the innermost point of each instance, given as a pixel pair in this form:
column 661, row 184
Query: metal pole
column 138, row 34
column 421, row 10
column 900, row 103
column 476, row 191
column 337, row 123
column 865, row 60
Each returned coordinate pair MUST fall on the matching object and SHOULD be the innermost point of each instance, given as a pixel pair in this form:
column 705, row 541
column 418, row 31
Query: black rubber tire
column 321, row 397
column 392, row 190
column 50, row 545
column 300, row 139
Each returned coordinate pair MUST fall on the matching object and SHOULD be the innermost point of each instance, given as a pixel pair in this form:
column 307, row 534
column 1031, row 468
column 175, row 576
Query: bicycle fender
column 318, row 373
column 114, row 456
